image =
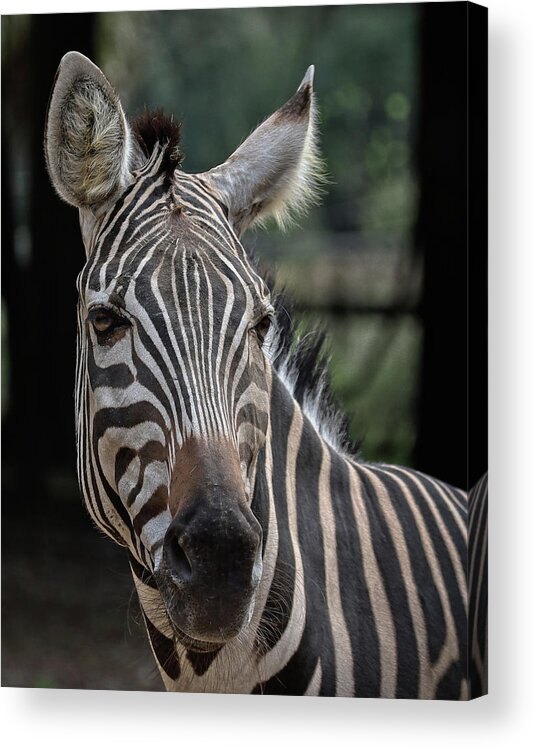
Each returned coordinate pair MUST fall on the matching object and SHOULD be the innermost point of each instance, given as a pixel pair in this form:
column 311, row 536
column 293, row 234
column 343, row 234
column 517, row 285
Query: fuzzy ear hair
column 277, row 171
column 87, row 138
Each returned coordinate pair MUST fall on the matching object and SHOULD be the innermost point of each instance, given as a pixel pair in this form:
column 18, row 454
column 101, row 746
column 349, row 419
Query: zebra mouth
column 204, row 633
column 195, row 645
column 203, row 645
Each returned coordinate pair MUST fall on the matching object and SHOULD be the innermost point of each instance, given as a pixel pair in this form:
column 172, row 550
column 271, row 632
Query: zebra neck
column 292, row 471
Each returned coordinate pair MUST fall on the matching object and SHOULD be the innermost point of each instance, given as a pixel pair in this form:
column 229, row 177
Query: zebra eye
column 105, row 322
column 261, row 328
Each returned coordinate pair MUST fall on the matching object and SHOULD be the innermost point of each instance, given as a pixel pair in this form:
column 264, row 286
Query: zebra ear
column 87, row 138
column 277, row 170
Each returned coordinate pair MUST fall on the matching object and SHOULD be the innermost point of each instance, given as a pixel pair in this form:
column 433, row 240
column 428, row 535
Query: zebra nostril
column 178, row 560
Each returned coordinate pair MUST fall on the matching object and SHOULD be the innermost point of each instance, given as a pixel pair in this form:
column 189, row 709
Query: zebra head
column 173, row 373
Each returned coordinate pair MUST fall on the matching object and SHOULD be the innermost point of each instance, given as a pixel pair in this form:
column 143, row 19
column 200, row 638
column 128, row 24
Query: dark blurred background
column 383, row 264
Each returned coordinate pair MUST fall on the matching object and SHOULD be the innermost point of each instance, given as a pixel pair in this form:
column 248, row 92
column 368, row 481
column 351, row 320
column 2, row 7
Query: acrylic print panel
column 280, row 368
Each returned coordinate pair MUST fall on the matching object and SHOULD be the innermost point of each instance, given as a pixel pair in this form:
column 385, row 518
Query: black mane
column 155, row 128
column 303, row 364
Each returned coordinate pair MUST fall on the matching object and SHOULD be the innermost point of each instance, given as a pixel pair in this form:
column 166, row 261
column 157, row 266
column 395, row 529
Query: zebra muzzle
column 211, row 566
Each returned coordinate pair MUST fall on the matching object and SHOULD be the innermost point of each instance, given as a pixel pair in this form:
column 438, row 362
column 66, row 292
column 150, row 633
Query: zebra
column 268, row 557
